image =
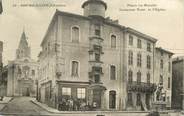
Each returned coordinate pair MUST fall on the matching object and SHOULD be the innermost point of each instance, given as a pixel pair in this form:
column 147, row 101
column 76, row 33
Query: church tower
column 23, row 50
column 94, row 8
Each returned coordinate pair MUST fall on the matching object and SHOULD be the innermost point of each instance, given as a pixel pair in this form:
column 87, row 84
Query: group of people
column 69, row 104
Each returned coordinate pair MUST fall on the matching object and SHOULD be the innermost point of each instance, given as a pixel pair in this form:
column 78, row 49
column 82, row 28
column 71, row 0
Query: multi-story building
column 140, row 69
column 22, row 72
column 177, row 83
column 94, row 60
column 163, row 78
column 3, row 82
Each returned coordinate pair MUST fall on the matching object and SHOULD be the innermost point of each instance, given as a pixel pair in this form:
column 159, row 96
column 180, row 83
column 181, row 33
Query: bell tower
column 23, row 48
column 94, row 8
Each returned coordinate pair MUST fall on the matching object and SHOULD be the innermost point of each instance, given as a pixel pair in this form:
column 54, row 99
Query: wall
column 143, row 69
column 177, row 83
column 75, row 51
column 112, row 56
column 167, row 57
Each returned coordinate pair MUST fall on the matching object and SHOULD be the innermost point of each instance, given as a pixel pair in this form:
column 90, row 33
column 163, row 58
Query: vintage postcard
column 92, row 57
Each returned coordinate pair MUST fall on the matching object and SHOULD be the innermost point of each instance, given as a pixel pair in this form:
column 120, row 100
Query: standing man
column 1, row 7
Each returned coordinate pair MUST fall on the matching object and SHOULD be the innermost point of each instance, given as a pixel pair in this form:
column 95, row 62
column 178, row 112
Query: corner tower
column 94, row 8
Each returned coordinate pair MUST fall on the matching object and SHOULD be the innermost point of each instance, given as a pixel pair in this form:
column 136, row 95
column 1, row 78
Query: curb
column 43, row 107
column 5, row 103
column 52, row 110
column 55, row 111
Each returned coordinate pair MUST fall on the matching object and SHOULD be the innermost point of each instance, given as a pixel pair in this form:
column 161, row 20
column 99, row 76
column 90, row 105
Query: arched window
column 97, row 30
column 130, row 76
column 75, row 34
column 169, row 82
column 19, row 71
column 148, row 78
column 169, row 66
column 161, row 80
column 130, row 101
column 139, row 43
column 75, row 68
column 113, row 72
column 138, row 103
column 161, row 64
column 139, row 59
column 33, row 72
column 130, row 40
column 113, row 41
column 130, row 57
column 139, row 77
column 148, row 62
column 112, row 99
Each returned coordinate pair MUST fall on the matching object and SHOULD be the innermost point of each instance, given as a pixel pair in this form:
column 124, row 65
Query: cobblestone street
column 22, row 105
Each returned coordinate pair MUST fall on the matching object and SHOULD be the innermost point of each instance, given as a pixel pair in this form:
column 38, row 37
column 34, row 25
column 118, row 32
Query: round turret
column 94, row 8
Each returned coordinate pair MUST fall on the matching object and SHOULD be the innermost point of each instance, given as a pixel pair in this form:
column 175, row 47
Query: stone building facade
column 163, row 78
column 95, row 60
column 22, row 72
column 177, row 83
column 140, row 70
column 3, row 79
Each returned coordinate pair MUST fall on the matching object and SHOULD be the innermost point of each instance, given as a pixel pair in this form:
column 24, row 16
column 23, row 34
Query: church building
column 22, row 72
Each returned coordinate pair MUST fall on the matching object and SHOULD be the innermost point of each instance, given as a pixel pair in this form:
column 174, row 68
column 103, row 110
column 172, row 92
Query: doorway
column 112, row 99
column 97, row 98
column 26, row 91
column 148, row 101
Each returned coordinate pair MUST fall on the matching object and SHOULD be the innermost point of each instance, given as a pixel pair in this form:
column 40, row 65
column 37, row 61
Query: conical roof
column 23, row 48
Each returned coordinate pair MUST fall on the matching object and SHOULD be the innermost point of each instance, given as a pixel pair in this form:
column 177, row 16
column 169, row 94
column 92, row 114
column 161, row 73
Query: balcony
column 96, row 37
column 141, row 87
column 96, row 49
column 95, row 40
column 96, row 70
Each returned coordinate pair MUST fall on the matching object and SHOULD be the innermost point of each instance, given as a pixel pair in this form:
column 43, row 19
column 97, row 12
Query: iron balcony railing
column 141, row 86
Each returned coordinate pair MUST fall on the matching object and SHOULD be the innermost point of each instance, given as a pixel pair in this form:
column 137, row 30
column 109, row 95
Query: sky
column 167, row 26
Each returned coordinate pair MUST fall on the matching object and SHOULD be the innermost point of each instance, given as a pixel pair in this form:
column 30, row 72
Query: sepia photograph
column 91, row 58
